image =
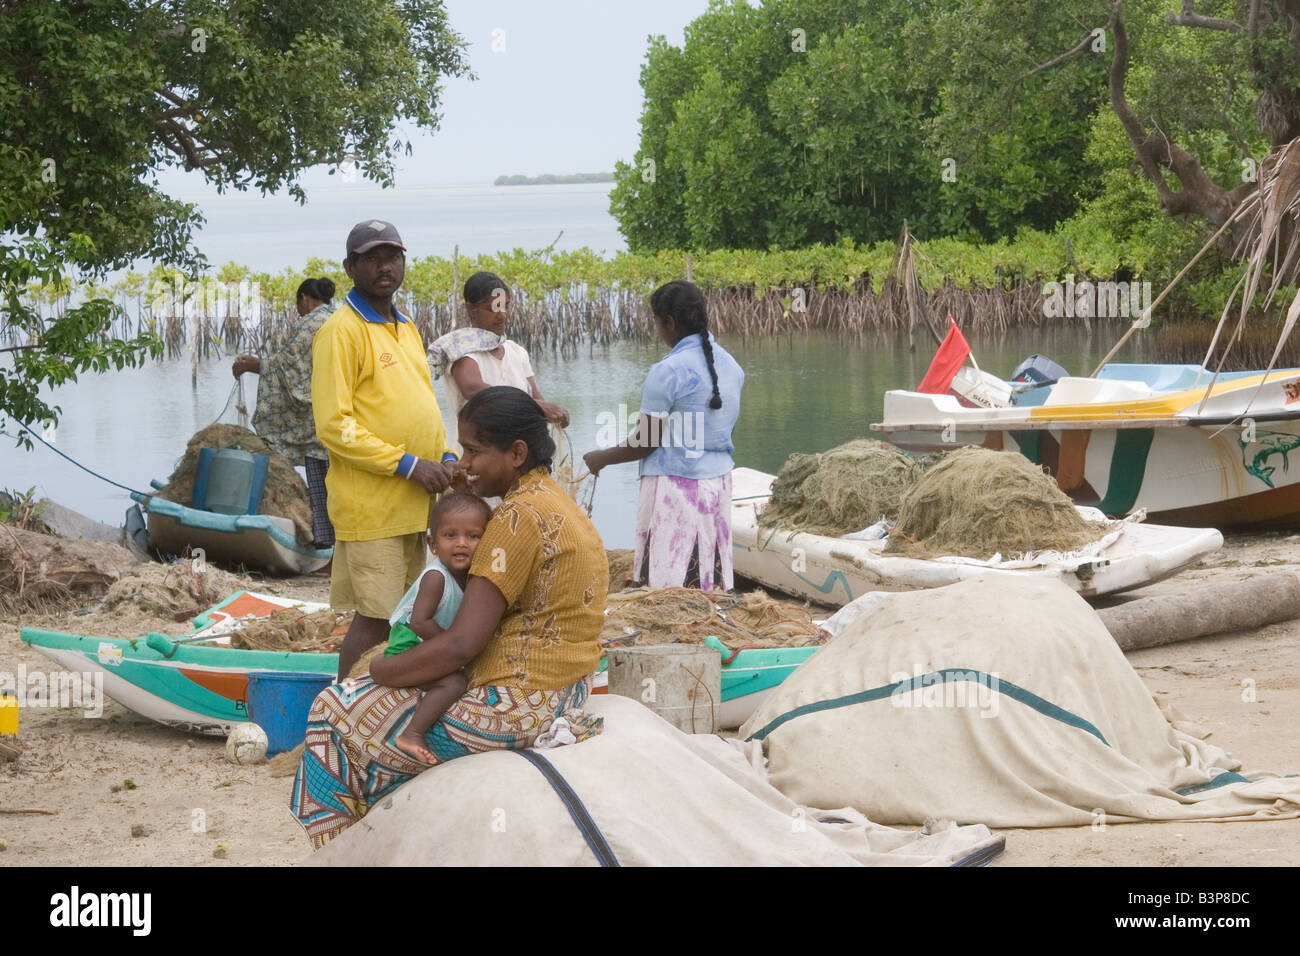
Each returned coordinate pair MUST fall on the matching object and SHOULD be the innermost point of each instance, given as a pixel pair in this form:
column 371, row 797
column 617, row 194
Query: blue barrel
column 278, row 702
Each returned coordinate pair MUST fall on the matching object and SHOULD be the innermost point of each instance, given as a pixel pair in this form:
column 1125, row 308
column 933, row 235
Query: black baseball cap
column 373, row 232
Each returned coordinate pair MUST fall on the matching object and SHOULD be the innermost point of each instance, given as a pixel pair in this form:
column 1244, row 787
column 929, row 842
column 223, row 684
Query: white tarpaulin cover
column 997, row 701
column 659, row 797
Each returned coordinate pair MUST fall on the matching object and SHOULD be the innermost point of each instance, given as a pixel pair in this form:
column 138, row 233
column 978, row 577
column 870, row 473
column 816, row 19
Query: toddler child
column 456, row 523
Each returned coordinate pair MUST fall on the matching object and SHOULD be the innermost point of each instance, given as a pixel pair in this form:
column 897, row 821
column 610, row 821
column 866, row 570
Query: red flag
column 952, row 353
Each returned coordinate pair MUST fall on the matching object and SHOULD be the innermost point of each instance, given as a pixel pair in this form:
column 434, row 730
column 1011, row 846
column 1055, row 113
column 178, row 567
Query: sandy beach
column 126, row 791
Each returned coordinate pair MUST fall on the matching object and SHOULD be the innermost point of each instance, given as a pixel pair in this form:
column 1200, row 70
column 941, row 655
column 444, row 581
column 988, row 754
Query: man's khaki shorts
column 370, row 577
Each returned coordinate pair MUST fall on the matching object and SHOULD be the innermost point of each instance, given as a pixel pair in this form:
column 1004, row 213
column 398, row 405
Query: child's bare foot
column 414, row 745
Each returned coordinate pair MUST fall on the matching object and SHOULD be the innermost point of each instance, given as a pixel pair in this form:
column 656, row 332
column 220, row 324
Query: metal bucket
column 229, row 481
column 682, row 683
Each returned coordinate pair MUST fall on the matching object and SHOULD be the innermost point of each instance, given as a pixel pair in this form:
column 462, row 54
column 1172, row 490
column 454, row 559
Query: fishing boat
column 834, row 571
column 264, row 543
column 195, row 681
column 1159, row 439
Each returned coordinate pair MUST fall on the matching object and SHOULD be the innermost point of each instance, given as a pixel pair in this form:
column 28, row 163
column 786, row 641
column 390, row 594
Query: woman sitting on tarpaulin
column 527, row 634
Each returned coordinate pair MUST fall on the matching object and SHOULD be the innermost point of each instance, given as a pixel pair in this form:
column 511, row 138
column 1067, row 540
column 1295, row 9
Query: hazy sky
column 563, row 95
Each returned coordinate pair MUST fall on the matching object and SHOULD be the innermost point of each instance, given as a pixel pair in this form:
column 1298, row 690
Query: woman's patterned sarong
column 678, row 519
column 349, row 760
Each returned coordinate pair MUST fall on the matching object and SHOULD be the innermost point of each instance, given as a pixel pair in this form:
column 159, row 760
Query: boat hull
column 1185, row 458
column 255, row 542
column 201, row 689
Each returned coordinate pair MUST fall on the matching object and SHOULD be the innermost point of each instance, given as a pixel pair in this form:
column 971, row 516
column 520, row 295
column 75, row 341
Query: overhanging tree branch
column 1188, row 17
column 1057, row 61
column 1200, row 194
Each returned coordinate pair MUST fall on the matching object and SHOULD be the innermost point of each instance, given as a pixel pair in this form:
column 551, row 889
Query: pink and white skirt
column 678, row 519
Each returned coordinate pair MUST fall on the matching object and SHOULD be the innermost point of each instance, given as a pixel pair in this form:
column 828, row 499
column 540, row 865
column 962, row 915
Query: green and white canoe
column 196, row 681
column 194, row 686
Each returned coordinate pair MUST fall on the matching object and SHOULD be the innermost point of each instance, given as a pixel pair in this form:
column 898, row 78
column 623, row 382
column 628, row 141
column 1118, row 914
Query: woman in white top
column 481, row 356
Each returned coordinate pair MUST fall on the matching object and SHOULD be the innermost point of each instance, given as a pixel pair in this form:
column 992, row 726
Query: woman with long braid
column 689, row 406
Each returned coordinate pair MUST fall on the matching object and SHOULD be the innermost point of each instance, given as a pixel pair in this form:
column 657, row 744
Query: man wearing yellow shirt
column 376, row 414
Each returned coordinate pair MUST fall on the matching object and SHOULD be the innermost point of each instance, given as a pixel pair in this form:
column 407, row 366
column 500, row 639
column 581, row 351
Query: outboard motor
column 1038, row 369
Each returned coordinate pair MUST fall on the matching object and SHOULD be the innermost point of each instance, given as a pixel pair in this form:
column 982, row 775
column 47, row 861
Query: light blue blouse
column 695, row 439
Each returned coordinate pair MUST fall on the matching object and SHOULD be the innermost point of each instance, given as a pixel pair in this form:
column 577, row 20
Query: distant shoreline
column 553, row 179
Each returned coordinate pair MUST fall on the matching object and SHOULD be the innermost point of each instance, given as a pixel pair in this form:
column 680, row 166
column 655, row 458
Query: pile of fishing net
column 621, row 561
column 46, row 572
column 977, row 503
column 846, row 489
column 177, row 591
column 317, row 632
column 688, row 616
column 284, row 495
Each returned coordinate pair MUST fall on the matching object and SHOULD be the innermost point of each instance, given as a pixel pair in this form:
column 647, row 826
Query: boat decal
column 1128, row 466
column 1005, row 687
column 1267, row 444
column 1292, row 390
column 110, row 655
column 232, row 685
column 1030, row 445
column 1071, row 459
column 826, row 587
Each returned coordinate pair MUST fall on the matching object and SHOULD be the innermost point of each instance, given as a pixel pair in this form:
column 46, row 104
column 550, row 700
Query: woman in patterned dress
column 526, row 633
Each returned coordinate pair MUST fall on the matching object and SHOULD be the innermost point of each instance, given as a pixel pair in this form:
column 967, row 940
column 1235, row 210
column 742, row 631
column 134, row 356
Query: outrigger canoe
column 203, row 686
column 834, row 571
column 1136, row 438
column 257, row 542
column 193, row 686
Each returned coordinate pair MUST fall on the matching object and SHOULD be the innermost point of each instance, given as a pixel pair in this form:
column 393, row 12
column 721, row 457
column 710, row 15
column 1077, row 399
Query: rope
column 73, row 460
column 240, row 407
column 243, row 415
column 713, row 705
column 237, row 387
column 584, row 491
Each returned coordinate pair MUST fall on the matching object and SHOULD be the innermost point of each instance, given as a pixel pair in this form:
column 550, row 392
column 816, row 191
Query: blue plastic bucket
column 278, row 702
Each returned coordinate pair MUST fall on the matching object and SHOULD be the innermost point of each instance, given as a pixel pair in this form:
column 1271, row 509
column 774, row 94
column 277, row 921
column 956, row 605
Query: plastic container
column 682, row 683
column 229, row 481
column 278, row 702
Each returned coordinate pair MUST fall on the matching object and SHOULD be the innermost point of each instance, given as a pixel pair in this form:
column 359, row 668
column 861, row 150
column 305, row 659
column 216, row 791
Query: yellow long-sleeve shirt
column 375, row 413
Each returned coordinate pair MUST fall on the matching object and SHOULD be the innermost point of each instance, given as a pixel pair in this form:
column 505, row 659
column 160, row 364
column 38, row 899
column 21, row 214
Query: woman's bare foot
column 414, row 745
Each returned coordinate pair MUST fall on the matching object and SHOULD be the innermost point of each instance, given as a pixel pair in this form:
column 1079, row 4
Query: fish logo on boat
column 1267, row 444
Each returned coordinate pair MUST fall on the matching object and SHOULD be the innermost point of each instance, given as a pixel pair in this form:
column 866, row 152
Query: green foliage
column 22, row 509
column 98, row 95
column 946, row 115
column 814, row 122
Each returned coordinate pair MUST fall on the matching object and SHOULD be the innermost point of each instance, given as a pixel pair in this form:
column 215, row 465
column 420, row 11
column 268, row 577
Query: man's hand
column 556, row 413
column 246, row 363
column 433, row 476
column 460, row 480
column 594, row 461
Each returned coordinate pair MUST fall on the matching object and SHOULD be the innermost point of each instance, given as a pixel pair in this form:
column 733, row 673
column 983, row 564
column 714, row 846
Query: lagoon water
column 275, row 233
column 804, row 393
